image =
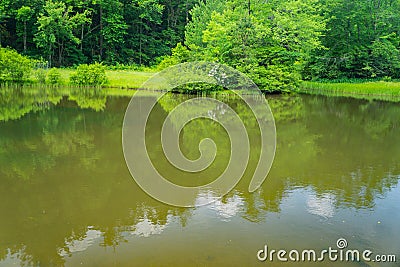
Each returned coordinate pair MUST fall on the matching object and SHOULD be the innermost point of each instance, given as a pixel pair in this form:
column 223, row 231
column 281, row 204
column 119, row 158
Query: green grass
column 65, row 74
column 123, row 79
column 127, row 79
column 389, row 91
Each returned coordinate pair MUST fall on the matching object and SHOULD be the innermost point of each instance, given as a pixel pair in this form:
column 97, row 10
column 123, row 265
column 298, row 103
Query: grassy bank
column 389, row 91
column 123, row 79
column 378, row 90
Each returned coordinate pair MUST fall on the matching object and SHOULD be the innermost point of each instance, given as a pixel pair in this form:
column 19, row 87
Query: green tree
column 270, row 41
column 23, row 15
column 123, row 31
column 113, row 29
column 149, row 14
column 3, row 17
column 356, row 30
column 201, row 16
column 55, row 30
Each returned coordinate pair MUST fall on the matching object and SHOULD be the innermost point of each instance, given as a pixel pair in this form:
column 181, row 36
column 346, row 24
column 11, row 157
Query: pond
column 67, row 197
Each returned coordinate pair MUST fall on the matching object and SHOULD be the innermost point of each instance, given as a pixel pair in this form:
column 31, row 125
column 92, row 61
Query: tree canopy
column 72, row 32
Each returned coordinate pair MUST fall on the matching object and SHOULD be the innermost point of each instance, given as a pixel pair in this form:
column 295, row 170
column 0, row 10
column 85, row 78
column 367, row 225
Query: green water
column 67, row 197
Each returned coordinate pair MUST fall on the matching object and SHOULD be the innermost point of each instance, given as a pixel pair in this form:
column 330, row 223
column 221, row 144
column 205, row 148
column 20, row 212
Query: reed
column 380, row 90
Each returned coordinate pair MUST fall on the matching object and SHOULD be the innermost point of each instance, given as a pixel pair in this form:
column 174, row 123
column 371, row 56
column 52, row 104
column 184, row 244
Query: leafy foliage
column 13, row 66
column 40, row 75
column 68, row 33
column 361, row 41
column 53, row 76
column 55, row 29
column 269, row 41
column 90, row 75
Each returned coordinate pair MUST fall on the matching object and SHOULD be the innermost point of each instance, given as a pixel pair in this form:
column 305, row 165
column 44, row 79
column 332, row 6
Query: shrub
column 13, row 66
column 387, row 79
column 40, row 75
column 92, row 75
column 54, row 76
column 272, row 78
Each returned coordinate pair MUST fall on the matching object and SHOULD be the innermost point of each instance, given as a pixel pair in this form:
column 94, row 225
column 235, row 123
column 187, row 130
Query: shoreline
column 380, row 90
column 125, row 82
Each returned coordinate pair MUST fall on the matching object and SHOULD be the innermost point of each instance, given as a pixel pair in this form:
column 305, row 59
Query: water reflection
column 78, row 245
column 228, row 207
column 323, row 205
column 65, row 190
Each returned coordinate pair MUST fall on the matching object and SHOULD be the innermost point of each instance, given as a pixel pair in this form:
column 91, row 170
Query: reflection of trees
column 18, row 101
column 77, row 189
column 288, row 109
column 41, row 142
column 199, row 129
column 329, row 144
column 334, row 148
column 74, row 174
column 15, row 102
column 357, row 141
column 87, row 97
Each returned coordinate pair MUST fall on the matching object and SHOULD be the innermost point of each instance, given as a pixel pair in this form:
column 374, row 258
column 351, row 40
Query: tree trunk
column 24, row 36
column 59, row 54
column 82, row 32
column 140, row 42
column 187, row 11
column 101, row 32
column 50, row 52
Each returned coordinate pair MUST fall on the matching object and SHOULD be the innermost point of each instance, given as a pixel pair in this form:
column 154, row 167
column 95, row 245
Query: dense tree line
column 361, row 40
column 276, row 42
column 70, row 32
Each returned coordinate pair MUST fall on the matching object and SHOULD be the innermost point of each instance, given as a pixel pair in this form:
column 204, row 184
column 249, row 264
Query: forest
column 277, row 43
